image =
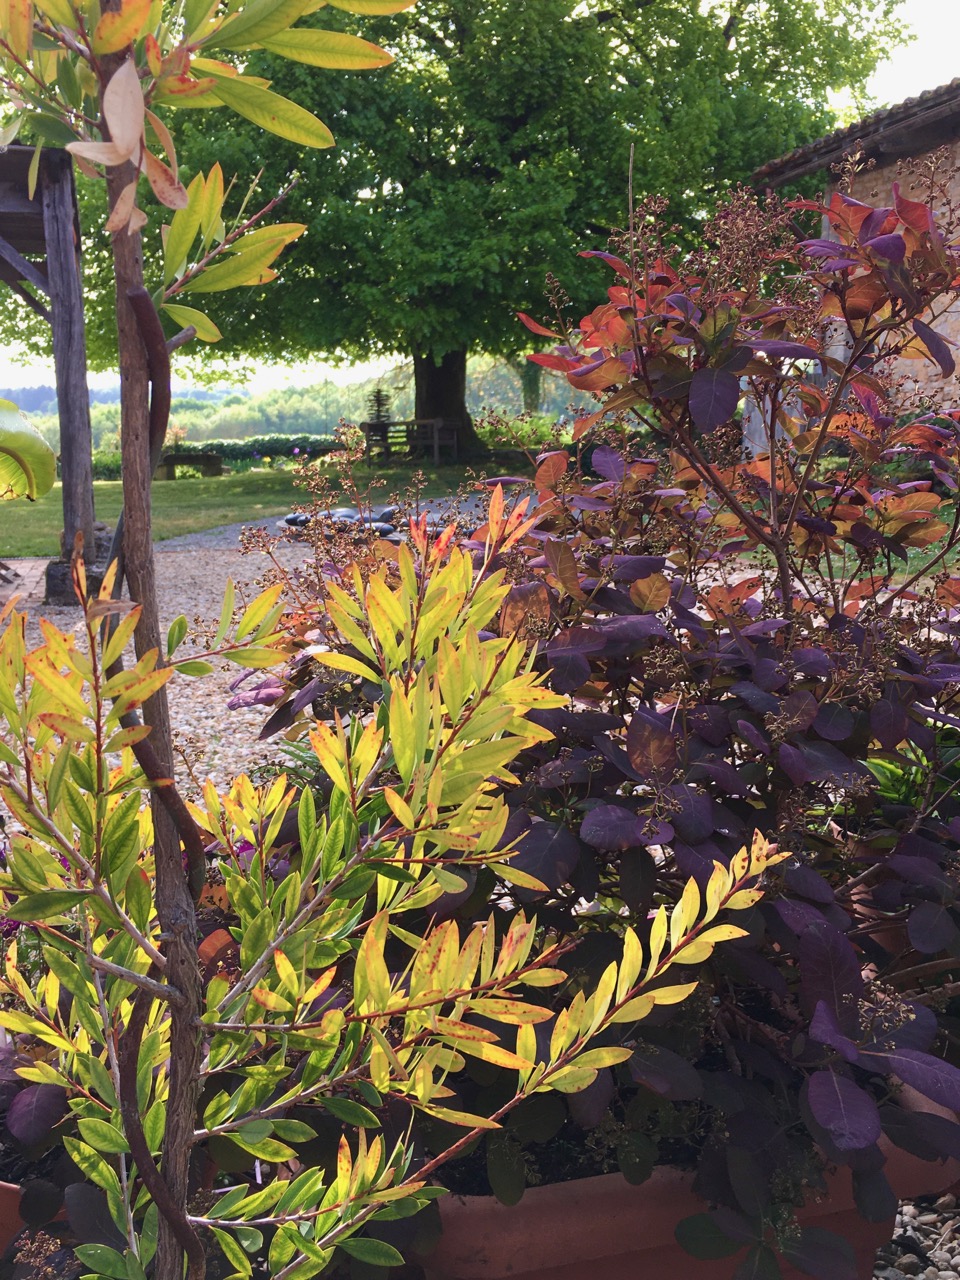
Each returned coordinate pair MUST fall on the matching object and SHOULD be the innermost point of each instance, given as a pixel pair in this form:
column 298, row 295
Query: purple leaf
column 813, row 662
column 802, row 709
column 934, row 1078
column 893, row 247
column 611, row 828
column 793, row 764
column 848, row 1114
column 549, row 852
column 808, row 884
column 589, row 1107
column 35, row 1111
column 875, row 1198
column 888, row 723
column 784, row 350
column 873, row 224
column 665, row 1072
column 936, row 346
column 824, row 1028
column 630, row 568
column 608, row 463
column 714, row 396
column 830, row 971
column 931, row 928
column 822, row 1254
column 754, row 736
column 834, row 721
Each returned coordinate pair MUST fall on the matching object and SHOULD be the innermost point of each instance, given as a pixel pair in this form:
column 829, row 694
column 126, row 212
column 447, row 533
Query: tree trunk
column 441, row 392
column 175, row 909
column 531, row 383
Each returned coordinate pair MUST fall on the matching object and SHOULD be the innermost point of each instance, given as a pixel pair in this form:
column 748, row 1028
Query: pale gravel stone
column 222, row 743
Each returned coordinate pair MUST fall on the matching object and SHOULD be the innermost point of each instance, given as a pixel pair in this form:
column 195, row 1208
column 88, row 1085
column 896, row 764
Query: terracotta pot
column 11, row 1224
column 605, row 1227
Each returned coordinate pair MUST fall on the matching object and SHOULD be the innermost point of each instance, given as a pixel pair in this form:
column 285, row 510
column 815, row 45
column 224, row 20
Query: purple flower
column 295, row 452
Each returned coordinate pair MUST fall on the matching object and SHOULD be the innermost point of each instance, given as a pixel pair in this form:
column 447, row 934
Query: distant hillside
column 232, row 414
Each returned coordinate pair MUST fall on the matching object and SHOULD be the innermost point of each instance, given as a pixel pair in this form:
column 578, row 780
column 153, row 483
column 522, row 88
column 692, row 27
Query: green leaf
column 377, row 1252
column 10, row 130
column 41, row 906
column 207, row 331
column 232, row 1252
column 28, row 466
column 193, row 667
column 351, row 1113
column 372, row 8
column 256, row 21
column 102, row 1136
column 272, row 112
column 236, row 271
column 334, row 49
column 176, row 634
column 103, row 1260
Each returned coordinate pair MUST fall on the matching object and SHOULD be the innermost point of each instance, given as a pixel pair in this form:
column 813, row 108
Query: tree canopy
column 497, row 145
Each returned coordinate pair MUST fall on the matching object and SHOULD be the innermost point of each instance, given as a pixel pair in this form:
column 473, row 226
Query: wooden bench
column 208, row 464
column 413, row 437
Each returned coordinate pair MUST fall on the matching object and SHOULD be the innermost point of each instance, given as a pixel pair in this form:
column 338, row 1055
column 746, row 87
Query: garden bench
column 415, row 437
column 208, row 464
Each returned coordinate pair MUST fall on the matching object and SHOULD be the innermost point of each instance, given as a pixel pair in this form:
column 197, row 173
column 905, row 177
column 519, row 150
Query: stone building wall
column 875, row 186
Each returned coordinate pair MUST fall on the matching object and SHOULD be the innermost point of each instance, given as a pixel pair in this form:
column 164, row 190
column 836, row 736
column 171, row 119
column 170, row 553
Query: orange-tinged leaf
column 18, row 27
column 71, row 730
column 563, row 563
column 122, row 208
column 651, row 594
column 154, row 55
column 552, row 469
column 168, row 190
column 115, row 31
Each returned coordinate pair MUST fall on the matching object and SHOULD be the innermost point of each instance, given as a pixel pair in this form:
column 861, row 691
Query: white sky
column 932, row 59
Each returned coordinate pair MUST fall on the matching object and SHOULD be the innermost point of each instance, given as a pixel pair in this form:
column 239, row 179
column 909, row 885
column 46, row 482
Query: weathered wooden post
column 60, row 230
column 47, row 224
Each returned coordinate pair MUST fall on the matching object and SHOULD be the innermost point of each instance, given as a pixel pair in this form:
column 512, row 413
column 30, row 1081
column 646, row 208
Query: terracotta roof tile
column 910, row 127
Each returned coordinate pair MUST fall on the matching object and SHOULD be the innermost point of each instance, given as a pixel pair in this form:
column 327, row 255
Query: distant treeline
column 315, row 411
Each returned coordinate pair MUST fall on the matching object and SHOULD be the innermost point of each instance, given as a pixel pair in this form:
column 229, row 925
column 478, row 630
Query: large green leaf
column 371, row 7
column 271, row 112
column 28, row 466
column 333, row 49
column 256, row 21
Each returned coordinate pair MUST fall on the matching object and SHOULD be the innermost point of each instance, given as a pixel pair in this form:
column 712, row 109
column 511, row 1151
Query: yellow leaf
column 461, row 1118
column 673, row 995
column 58, row 11
column 271, row 1000
column 115, row 31
column 16, row 24
column 634, row 1010
column 333, row 49
column 400, row 809
column 270, row 111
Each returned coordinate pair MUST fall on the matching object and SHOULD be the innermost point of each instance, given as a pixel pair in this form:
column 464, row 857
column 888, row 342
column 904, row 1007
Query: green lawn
column 189, row 506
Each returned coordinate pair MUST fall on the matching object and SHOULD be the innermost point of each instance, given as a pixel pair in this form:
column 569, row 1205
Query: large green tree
column 498, row 143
